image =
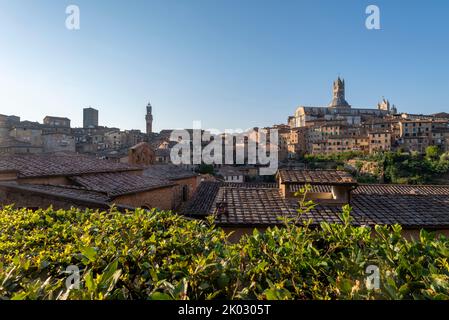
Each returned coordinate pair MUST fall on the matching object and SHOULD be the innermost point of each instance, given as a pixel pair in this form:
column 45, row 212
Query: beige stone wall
column 141, row 154
column 167, row 198
column 33, row 136
column 334, row 144
column 162, row 198
column 58, row 142
column 190, row 183
column 379, row 142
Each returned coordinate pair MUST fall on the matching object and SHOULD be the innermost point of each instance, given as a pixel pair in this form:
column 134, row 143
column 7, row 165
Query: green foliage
column 137, row 255
column 206, row 169
column 339, row 157
column 432, row 152
column 160, row 255
column 394, row 167
column 414, row 168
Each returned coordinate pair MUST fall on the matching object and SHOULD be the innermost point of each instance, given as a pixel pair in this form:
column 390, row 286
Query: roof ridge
column 405, row 185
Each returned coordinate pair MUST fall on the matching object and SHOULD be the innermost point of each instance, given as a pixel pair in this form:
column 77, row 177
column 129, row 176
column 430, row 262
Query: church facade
column 339, row 109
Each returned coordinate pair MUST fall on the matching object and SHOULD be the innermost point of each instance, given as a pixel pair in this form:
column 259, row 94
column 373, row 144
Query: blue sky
column 231, row 64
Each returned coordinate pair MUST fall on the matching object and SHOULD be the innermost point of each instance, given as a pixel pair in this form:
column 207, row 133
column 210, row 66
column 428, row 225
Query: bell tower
column 149, row 118
column 339, row 100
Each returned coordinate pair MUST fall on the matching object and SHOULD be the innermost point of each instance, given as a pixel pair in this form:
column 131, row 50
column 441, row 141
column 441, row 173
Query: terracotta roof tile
column 73, row 192
column 55, row 165
column 402, row 189
column 316, row 177
column 201, row 203
column 119, row 183
column 245, row 205
column 168, row 171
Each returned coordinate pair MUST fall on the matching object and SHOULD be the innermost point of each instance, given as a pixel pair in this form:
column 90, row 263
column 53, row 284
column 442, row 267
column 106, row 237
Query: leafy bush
column 395, row 167
column 159, row 255
column 414, row 168
column 124, row 256
column 206, row 169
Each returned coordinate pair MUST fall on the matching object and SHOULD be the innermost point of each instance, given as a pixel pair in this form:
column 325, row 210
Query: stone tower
column 149, row 118
column 385, row 106
column 338, row 100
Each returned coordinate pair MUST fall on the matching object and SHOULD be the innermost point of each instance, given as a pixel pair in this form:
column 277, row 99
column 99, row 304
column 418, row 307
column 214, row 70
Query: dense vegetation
column 338, row 158
column 415, row 168
column 394, row 167
column 159, row 255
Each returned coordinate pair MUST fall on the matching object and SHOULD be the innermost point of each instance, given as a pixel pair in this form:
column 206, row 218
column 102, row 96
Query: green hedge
column 159, row 255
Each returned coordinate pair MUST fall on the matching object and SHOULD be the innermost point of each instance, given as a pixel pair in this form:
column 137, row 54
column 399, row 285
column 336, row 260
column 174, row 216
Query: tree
column 432, row 152
column 206, row 169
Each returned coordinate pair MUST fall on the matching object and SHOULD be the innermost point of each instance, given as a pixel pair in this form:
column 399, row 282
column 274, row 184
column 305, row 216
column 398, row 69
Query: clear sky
column 230, row 64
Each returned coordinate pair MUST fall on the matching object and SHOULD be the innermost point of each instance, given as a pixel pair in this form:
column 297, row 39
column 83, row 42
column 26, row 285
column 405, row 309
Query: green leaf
column 159, row 296
column 90, row 253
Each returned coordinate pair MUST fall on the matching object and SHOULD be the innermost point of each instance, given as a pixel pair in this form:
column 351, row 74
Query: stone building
column 50, row 121
column 141, row 154
column 38, row 181
column 58, row 142
column 416, row 134
column 338, row 109
column 297, row 143
column 340, row 143
column 379, row 141
column 231, row 174
column 90, row 118
column 54, row 135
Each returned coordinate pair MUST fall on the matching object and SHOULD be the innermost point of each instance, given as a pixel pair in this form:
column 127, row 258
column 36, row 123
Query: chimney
column 329, row 187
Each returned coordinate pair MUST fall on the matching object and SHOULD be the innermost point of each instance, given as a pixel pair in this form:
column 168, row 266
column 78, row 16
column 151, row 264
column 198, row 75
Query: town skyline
column 142, row 127
column 124, row 56
column 149, row 112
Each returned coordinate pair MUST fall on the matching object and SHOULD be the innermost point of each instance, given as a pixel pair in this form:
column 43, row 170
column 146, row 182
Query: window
column 185, row 193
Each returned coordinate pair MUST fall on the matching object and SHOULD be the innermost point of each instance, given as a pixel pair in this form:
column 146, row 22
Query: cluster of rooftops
column 261, row 205
column 84, row 178
column 235, row 204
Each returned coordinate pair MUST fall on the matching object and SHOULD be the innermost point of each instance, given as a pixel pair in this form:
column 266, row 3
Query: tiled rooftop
column 56, row 165
column 168, row 171
column 410, row 206
column 119, row 183
column 314, row 188
column 251, row 184
column 73, row 192
column 402, row 189
column 316, row 177
column 201, row 203
column 252, row 206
